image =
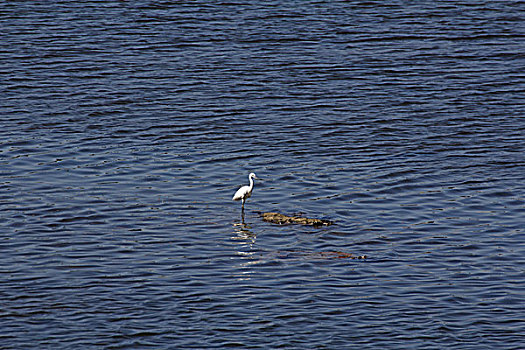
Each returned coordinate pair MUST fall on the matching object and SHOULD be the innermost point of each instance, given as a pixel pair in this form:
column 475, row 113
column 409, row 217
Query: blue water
column 126, row 127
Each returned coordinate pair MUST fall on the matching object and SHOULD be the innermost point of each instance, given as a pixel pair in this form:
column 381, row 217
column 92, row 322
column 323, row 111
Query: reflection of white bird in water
column 245, row 192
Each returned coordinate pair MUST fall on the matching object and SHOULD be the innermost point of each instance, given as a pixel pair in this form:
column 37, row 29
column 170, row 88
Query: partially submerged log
column 281, row 219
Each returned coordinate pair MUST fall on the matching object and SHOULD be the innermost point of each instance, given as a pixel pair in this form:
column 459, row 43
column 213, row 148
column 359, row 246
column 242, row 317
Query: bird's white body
column 245, row 191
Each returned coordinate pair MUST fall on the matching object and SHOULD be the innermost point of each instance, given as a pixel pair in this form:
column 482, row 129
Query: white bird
column 245, row 192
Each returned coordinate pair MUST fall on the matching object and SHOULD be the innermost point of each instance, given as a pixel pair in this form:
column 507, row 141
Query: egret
column 245, row 192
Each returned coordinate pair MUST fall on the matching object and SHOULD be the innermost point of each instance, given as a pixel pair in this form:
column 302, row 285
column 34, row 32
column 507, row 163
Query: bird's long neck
column 251, row 183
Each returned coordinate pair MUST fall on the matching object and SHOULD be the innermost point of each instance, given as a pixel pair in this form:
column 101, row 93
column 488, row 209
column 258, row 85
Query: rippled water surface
column 126, row 127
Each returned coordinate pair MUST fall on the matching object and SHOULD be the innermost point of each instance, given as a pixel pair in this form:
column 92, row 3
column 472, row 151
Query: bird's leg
column 243, row 205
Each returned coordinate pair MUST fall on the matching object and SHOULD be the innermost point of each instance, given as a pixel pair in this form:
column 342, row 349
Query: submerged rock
column 281, row 219
column 305, row 255
column 340, row 255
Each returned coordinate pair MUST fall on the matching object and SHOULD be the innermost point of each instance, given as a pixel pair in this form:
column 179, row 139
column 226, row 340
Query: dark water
column 127, row 126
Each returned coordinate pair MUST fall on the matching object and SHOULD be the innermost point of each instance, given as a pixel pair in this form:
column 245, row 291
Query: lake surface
column 126, row 127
